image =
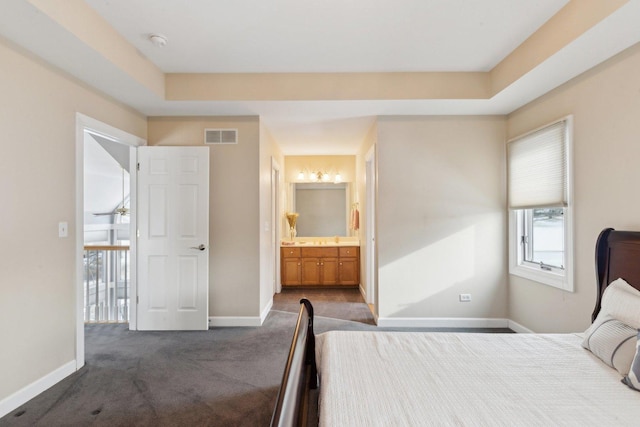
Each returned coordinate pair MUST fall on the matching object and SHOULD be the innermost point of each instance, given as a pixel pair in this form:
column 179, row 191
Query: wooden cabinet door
column 349, row 266
column 349, row 269
column 329, row 271
column 311, row 271
column 291, row 271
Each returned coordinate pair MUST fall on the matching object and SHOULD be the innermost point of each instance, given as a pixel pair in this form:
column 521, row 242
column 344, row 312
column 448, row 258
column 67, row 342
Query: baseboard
column 27, row 393
column 517, row 327
column 266, row 311
column 234, row 321
column 362, row 292
column 441, row 322
column 241, row 321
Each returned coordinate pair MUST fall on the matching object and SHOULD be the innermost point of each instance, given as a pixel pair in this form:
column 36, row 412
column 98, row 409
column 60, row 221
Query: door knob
column 200, row 248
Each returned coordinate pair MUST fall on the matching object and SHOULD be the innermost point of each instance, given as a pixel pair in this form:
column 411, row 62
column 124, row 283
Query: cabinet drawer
column 290, row 252
column 319, row 252
column 349, row 251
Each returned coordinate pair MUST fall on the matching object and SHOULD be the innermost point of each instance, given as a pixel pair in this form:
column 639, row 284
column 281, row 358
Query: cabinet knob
column 298, row 263
column 317, row 263
column 340, row 263
column 291, row 252
column 322, row 263
column 348, row 251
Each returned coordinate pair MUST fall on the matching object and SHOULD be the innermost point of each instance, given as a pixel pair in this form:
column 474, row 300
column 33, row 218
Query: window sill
column 545, row 277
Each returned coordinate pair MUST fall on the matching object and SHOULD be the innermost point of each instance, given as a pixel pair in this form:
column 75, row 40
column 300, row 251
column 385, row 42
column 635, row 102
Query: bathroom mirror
column 323, row 209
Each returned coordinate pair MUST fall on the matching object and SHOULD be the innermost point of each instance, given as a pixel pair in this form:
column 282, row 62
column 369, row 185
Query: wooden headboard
column 617, row 256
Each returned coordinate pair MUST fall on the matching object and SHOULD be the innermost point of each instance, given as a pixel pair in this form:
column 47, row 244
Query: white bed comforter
column 448, row 379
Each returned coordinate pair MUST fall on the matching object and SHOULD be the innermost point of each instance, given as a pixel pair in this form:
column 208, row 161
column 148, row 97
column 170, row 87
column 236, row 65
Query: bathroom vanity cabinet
column 349, row 265
column 290, row 266
column 320, row 266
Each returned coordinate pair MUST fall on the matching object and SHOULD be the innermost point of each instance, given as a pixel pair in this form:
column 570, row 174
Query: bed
column 472, row 379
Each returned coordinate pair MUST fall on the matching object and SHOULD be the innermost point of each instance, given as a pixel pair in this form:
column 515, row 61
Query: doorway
column 87, row 127
column 106, row 219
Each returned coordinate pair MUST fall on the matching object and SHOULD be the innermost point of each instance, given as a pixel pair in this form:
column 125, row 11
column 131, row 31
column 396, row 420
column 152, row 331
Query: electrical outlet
column 465, row 297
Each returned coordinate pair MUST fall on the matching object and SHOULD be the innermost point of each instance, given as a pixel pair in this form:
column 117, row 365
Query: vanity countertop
column 319, row 244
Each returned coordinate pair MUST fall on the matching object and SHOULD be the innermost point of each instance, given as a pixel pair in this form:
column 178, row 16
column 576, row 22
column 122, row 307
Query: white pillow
column 622, row 302
column 611, row 341
column 633, row 379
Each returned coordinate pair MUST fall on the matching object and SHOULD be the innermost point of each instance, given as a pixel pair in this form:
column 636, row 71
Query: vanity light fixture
column 318, row 176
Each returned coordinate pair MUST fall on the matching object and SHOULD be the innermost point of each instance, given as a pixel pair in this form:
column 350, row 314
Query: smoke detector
column 158, row 40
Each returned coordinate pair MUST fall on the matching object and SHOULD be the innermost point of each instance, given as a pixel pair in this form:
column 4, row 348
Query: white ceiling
column 250, row 36
column 212, row 36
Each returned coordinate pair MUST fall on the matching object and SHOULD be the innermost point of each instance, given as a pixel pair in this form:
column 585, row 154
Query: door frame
column 87, row 124
column 276, row 211
column 370, row 230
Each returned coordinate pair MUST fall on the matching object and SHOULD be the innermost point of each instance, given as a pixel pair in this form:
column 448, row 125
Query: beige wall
column 327, row 86
column 234, row 262
column 37, row 170
column 605, row 104
column 441, row 216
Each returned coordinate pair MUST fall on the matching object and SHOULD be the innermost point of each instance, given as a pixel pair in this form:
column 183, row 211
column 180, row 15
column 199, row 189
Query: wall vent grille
column 221, row 136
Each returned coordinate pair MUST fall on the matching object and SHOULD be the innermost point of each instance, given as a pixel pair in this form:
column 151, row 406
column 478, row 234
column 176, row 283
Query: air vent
column 221, row 136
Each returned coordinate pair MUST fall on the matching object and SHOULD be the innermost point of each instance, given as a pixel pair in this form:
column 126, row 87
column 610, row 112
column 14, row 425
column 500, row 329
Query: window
column 540, row 238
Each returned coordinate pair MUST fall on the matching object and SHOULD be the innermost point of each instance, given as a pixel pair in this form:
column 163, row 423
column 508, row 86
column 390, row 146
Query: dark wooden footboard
column 300, row 374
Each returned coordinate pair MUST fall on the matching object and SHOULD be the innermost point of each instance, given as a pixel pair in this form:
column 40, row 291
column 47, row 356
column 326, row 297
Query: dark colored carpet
column 221, row 377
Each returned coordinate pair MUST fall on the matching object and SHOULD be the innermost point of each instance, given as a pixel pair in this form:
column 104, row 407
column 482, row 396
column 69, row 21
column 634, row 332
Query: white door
column 173, row 241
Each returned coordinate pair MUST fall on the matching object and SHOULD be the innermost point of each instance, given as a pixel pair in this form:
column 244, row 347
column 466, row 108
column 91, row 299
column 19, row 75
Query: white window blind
column 537, row 168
